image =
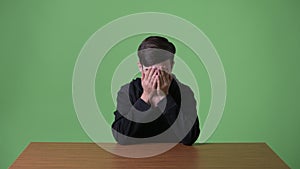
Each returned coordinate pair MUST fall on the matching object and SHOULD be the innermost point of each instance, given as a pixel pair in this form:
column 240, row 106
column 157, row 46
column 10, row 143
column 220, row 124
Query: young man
column 156, row 107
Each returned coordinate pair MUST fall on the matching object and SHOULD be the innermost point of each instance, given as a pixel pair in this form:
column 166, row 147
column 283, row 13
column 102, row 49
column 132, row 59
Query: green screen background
column 258, row 43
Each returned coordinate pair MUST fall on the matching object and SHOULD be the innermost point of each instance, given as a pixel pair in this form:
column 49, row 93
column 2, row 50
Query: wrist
column 145, row 97
column 162, row 93
column 156, row 100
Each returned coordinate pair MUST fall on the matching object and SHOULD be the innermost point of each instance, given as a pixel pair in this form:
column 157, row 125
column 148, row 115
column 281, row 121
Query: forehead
column 165, row 63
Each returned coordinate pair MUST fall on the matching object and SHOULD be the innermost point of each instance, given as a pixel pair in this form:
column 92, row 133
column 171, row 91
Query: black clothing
column 180, row 98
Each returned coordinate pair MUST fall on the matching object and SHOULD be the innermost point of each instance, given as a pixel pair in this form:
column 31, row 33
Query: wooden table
column 43, row 155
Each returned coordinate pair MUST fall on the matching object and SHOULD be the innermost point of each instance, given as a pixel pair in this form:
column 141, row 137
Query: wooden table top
column 43, row 155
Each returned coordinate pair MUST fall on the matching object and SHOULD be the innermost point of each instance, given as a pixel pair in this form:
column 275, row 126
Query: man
column 156, row 107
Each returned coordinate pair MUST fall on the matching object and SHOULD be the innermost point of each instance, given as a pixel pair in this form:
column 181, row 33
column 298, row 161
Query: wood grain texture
column 43, row 155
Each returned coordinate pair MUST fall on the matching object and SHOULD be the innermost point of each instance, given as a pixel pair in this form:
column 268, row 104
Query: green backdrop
column 258, row 43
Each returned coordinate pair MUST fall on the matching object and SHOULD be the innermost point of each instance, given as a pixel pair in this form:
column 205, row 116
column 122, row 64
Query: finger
column 148, row 74
column 147, row 71
column 158, row 82
column 164, row 78
column 155, row 82
column 168, row 77
column 153, row 75
column 152, row 70
column 159, row 72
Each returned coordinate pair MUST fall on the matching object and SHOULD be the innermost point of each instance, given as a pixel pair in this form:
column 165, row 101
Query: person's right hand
column 149, row 83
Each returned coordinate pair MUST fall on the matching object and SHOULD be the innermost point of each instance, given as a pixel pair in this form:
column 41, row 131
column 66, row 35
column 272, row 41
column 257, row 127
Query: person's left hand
column 163, row 83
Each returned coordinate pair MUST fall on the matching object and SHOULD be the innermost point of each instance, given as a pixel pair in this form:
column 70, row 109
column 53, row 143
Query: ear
column 140, row 66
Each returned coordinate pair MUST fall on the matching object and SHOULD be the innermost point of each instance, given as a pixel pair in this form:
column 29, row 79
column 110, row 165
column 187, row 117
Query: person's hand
column 149, row 83
column 163, row 83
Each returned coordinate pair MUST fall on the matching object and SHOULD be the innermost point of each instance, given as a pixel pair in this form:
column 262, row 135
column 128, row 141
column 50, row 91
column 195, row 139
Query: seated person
column 156, row 107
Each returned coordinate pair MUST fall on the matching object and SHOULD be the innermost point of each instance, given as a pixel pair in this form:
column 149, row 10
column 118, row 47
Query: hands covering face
column 155, row 83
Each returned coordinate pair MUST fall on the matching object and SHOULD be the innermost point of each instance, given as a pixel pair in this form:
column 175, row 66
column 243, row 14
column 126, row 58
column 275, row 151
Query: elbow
column 191, row 138
column 120, row 138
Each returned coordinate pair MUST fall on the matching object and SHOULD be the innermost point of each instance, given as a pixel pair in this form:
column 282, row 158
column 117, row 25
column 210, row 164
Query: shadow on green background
column 258, row 42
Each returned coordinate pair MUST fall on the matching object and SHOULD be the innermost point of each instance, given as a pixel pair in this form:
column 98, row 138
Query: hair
column 155, row 49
